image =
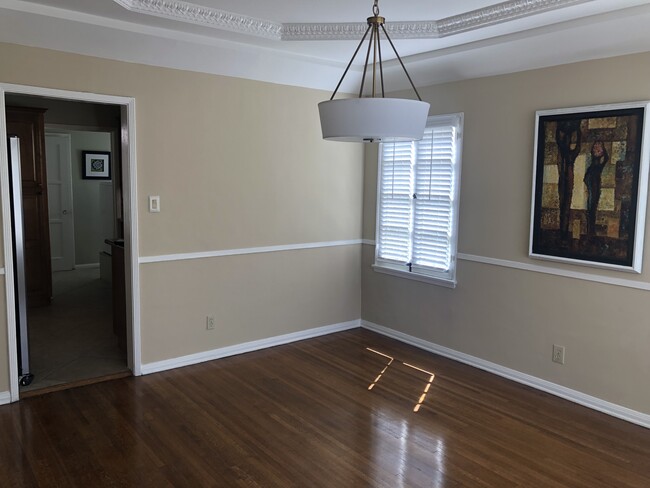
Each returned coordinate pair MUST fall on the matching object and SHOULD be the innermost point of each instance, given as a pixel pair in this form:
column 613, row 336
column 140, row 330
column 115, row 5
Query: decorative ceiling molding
column 354, row 31
column 502, row 12
column 242, row 24
column 205, row 16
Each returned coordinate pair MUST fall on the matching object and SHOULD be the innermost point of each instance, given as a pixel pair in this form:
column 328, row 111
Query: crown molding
column 553, row 43
column 204, row 16
column 502, row 12
column 355, row 30
column 430, row 29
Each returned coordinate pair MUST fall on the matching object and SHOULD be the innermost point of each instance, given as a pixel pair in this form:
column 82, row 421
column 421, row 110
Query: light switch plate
column 154, row 204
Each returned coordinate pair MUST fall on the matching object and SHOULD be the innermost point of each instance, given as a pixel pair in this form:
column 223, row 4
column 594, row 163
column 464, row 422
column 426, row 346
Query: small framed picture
column 96, row 165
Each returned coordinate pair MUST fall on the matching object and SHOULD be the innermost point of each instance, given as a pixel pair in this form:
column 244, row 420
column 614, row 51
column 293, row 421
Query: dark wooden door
column 28, row 124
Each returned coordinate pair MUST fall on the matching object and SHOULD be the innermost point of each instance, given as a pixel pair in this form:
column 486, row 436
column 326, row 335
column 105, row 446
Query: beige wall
column 237, row 164
column 252, row 297
column 508, row 316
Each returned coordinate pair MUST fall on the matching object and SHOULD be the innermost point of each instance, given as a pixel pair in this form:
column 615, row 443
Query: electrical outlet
column 209, row 323
column 558, row 354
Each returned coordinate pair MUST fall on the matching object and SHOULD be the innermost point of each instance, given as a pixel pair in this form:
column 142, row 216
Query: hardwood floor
column 301, row 415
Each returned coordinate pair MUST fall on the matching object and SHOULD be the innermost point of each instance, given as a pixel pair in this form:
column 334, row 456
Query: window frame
column 434, row 276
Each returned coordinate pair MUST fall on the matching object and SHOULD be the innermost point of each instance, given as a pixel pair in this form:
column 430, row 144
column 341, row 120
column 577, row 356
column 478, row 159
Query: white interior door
column 59, row 197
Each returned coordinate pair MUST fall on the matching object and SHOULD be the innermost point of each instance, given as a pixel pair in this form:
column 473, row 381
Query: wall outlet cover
column 209, row 323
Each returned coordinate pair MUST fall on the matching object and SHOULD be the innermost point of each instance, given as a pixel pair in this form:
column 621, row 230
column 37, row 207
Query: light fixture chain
column 350, row 63
column 374, row 61
column 381, row 67
column 375, row 8
column 365, row 66
column 401, row 62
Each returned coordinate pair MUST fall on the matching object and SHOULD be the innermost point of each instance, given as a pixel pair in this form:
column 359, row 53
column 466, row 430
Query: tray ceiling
column 308, row 42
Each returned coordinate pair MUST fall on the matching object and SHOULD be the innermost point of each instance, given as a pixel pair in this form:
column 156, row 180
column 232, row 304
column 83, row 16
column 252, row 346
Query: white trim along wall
column 247, row 250
column 537, row 268
column 12, row 351
column 580, row 398
column 5, row 397
column 224, row 352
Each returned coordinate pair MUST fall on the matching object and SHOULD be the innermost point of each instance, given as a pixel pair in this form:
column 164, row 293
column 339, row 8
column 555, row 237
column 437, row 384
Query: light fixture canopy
column 374, row 118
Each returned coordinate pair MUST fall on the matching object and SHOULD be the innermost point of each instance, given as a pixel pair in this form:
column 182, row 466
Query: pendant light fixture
column 374, row 118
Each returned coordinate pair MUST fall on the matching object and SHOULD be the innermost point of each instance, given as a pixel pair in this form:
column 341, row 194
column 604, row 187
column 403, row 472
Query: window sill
column 432, row 280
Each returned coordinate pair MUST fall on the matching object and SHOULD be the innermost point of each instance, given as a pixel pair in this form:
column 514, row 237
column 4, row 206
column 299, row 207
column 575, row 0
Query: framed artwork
column 96, row 165
column 590, row 185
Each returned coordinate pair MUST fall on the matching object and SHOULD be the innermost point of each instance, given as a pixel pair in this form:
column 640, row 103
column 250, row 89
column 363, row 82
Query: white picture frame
column 96, row 165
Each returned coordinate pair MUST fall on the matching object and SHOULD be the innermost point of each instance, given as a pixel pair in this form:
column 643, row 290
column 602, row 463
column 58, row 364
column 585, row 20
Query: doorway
column 73, row 335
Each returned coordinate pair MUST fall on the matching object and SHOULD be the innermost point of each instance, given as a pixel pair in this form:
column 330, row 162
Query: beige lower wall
column 513, row 317
column 251, row 297
column 237, row 164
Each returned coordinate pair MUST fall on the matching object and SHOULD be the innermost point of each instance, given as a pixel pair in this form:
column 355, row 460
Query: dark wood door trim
column 28, row 124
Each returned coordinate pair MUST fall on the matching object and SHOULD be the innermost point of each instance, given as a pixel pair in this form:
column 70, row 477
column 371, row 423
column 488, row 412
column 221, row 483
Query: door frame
column 130, row 213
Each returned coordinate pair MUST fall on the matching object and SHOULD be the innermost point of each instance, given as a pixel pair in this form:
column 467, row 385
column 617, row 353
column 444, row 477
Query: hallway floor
column 72, row 339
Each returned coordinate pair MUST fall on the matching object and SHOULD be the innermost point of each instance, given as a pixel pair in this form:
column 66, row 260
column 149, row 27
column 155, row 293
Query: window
column 417, row 215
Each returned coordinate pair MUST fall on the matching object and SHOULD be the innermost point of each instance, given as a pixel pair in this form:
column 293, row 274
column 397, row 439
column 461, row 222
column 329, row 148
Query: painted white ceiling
column 256, row 39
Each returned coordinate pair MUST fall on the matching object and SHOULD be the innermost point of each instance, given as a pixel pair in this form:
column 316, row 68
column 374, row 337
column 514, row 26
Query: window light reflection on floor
column 390, row 359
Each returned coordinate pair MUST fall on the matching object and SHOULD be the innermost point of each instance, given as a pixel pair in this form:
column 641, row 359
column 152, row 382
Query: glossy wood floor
column 301, row 415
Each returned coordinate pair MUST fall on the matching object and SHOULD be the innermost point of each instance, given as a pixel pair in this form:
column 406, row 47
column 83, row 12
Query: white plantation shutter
column 418, row 201
column 433, row 201
column 396, row 190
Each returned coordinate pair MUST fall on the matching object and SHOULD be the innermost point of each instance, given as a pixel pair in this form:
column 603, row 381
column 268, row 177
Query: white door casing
column 59, row 194
column 131, row 237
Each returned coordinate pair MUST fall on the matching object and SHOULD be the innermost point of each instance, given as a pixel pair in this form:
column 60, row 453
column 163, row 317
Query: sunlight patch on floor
column 431, row 376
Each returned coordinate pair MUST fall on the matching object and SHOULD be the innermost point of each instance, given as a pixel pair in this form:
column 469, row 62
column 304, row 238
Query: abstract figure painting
column 590, row 185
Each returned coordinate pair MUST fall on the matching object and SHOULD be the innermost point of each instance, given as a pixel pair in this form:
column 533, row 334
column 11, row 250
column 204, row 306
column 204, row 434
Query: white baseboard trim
column 246, row 347
column 86, row 266
column 5, row 397
column 580, row 398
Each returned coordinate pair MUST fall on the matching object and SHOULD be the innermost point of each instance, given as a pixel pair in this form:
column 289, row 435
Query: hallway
column 72, row 339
